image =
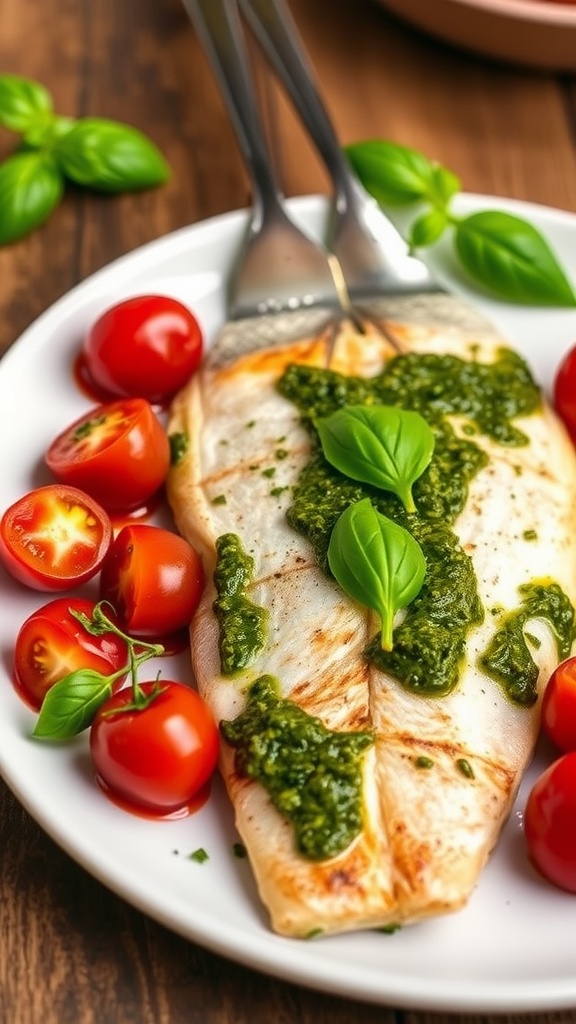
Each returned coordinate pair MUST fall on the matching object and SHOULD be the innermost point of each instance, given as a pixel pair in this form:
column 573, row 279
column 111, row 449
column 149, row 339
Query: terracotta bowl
column 535, row 33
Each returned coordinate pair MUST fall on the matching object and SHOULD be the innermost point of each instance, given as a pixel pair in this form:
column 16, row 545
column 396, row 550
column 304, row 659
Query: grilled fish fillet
column 426, row 834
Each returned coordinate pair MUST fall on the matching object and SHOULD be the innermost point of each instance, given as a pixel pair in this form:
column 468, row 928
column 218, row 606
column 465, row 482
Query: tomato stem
column 139, row 651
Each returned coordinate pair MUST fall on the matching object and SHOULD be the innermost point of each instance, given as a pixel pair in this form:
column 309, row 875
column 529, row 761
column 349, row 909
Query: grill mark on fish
column 228, row 472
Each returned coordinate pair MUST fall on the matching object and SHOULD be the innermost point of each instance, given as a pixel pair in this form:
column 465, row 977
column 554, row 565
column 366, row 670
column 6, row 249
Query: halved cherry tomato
column 158, row 757
column 565, row 392
column 54, row 538
column 118, row 452
column 550, row 822
column 153, row 578
column 148, row 345
column 558, row 714
column 51, row 643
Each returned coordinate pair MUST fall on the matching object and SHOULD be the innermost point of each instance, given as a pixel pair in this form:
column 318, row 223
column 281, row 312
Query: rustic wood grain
column 70, row 951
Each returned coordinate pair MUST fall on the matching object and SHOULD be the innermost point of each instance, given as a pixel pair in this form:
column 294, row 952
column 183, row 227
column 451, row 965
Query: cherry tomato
column 550, row 822
column 565, row 392
column 159, row 757
column 51, row 643
column 153, row 578
column 118, row 452
column 558, row 714
column 148, row 345
column 54, row 538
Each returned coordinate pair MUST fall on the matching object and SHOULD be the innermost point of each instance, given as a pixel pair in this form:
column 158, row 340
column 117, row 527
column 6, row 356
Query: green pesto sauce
column 312, row 774
column 508, row 657
column 430, row 643
column 242, row 623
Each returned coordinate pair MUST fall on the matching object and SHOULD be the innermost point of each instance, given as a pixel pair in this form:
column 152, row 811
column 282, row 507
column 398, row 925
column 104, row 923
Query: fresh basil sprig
column 94, row 152
column 380, row 445
column 376, row 562
column 504, row 254
column 70, row 705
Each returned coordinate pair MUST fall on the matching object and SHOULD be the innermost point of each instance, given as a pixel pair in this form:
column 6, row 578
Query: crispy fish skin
column 428, row 830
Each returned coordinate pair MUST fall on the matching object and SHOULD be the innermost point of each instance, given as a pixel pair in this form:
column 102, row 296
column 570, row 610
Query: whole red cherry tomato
column 565, row 392
column 550, row 822
column 54, row 538
column 153, row 578
column 148, row 345
column 158, row 757
column 558, row 714
column 51, row 643
column 118, row 452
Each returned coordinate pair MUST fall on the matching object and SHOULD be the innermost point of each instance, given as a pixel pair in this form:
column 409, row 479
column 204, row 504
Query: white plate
column 512, row 949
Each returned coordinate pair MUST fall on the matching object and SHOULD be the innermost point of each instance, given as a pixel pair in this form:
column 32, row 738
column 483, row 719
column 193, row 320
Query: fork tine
column 280, row 267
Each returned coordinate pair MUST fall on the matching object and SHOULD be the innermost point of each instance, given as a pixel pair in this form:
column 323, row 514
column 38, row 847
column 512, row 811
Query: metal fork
column 370, row 251
column 280, row 267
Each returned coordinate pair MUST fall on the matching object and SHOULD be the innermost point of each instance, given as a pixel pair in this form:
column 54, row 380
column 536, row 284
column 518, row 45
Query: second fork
column 280, row 267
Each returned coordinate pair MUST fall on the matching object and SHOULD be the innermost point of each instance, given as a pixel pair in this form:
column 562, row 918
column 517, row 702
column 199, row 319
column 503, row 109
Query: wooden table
column 70, row 951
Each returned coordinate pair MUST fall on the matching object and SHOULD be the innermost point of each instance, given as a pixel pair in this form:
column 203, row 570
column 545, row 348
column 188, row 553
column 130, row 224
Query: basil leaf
column 395, row 174
column 444, row 185
column 379, row 445
column 512, row 259
column 30, row 187
column 46, row 132
column 110, row 156
column 70, row 705
column 23, row 103
column 376, row 562
column 427, row 228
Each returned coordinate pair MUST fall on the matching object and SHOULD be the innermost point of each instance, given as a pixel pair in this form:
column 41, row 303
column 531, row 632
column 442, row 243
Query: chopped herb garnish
column 281, row 453
column 239, row 850
column 178, row 447
column 199, row 855
column 220, row 499
column 534, row 640
column 269, row 472
column 424, row 762
column 465, row 767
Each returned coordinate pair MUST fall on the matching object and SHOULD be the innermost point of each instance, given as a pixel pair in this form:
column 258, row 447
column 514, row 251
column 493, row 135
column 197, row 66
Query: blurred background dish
column 536, row 33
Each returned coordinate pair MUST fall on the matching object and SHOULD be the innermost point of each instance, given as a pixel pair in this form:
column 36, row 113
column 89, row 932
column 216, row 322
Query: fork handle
column 275, row 29
column 219, row 29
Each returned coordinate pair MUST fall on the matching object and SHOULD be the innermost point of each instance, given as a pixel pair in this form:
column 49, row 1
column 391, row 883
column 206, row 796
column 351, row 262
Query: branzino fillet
column 439, row 780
